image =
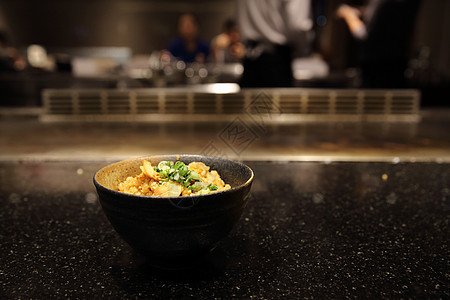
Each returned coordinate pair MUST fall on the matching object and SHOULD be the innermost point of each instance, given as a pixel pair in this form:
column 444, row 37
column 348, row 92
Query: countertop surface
column 310, row 230
column 24, row 137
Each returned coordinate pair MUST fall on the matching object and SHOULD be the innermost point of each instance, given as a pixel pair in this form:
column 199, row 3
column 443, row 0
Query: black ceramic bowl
column 173, row 228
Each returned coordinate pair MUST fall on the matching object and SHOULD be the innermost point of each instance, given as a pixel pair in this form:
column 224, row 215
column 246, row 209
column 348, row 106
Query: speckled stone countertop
column 311, row 230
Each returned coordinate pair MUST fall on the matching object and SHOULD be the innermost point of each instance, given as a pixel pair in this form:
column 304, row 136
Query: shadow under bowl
column 174, row 230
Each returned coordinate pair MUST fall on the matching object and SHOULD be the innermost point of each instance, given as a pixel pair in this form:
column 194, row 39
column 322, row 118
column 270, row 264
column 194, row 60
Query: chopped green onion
column 178, row 172
column 212, row 187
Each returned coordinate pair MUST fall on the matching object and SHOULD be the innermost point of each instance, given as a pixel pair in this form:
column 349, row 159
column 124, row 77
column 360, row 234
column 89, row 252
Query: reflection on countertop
column 23, row 136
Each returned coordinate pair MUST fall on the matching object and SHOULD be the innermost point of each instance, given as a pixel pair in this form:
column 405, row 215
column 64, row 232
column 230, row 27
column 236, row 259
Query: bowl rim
column 98, row 185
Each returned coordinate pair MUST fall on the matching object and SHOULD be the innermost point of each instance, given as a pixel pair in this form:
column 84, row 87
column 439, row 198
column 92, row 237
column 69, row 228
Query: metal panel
column 286, row 105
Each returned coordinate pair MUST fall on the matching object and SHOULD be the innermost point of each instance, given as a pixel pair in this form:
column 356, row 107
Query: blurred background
column 54, row 52
column 89, row 43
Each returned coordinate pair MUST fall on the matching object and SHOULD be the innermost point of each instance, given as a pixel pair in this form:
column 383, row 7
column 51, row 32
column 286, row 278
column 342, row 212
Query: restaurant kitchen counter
column 24, row 137
column 310, row 230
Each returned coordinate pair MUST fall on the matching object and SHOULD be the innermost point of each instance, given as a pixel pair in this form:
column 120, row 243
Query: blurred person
column 10, row 58
column 383, row 28
column 271, row 29
column 227, row 47
column 188, row 47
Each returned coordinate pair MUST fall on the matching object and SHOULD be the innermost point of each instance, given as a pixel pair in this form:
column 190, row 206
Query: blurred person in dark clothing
column 10, row 58
column 271, row 29
column 188, row 47
column 383, row 28
column 227, row 47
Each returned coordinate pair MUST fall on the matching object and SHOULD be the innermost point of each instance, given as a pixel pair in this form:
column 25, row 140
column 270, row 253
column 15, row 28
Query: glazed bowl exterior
column 173, row 227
